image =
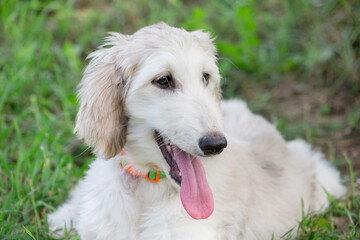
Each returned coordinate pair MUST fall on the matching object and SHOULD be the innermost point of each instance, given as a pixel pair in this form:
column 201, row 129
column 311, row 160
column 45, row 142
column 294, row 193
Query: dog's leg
column 63, row 218
column 168, row 220
column 101, row 206
column 107, row 207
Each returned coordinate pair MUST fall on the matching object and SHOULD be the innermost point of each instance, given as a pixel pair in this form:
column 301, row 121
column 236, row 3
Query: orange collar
column 154, row 174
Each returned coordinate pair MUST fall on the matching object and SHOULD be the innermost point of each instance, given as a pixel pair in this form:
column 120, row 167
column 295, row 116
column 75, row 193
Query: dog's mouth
column 187, row 171
column 167, row 152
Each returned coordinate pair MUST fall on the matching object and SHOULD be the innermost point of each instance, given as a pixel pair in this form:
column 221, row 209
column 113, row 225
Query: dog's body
column 257, row 185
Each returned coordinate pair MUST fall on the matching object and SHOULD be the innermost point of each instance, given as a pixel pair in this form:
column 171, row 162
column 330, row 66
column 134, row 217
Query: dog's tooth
column 180, row 174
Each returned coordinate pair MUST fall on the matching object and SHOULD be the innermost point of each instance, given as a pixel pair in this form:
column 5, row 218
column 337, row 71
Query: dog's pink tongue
column 195, row 193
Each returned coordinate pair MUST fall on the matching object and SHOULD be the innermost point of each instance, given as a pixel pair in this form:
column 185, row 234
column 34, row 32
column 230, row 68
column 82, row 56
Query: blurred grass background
column 297, row 62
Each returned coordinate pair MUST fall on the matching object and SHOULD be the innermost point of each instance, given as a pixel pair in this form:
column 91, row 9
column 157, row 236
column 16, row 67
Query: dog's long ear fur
column 101, row 120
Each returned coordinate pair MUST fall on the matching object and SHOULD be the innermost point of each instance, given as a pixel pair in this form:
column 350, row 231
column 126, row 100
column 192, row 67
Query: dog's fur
column 259, row 181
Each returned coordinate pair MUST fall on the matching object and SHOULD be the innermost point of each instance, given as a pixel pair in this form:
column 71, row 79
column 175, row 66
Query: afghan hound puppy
column 174, row 161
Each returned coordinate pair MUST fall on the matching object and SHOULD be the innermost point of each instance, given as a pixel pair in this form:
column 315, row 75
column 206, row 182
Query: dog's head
column 156, row 92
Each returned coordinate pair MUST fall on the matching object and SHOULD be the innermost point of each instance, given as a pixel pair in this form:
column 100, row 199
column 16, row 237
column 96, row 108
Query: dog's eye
column 205, row 78
column 164, row 82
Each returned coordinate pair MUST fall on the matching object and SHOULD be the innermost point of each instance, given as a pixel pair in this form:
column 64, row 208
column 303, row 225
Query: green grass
column 261, row 44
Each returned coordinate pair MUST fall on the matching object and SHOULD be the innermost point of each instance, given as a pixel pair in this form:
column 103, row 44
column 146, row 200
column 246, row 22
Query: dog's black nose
column 212, row 143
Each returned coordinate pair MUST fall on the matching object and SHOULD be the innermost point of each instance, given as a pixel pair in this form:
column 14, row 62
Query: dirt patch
column 319, row 106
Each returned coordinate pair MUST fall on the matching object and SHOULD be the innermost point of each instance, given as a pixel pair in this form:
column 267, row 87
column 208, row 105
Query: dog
column 174, row 161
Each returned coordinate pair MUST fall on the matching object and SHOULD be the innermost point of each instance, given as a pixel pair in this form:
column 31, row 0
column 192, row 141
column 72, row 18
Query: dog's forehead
column 166, row 35
column 162, row 37
column 185, row 64
column 163, row 49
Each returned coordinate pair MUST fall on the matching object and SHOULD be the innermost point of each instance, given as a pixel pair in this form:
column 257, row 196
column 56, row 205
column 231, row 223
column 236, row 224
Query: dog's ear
column 205, row 41
column 101, row 120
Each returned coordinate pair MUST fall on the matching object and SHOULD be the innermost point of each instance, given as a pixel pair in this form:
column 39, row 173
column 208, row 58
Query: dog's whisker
column 85, row 150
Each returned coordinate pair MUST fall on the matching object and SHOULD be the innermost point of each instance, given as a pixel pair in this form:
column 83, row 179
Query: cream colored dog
column 156, row 95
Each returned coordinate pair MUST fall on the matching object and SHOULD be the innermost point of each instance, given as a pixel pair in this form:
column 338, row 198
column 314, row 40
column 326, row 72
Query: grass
column 262, row 45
